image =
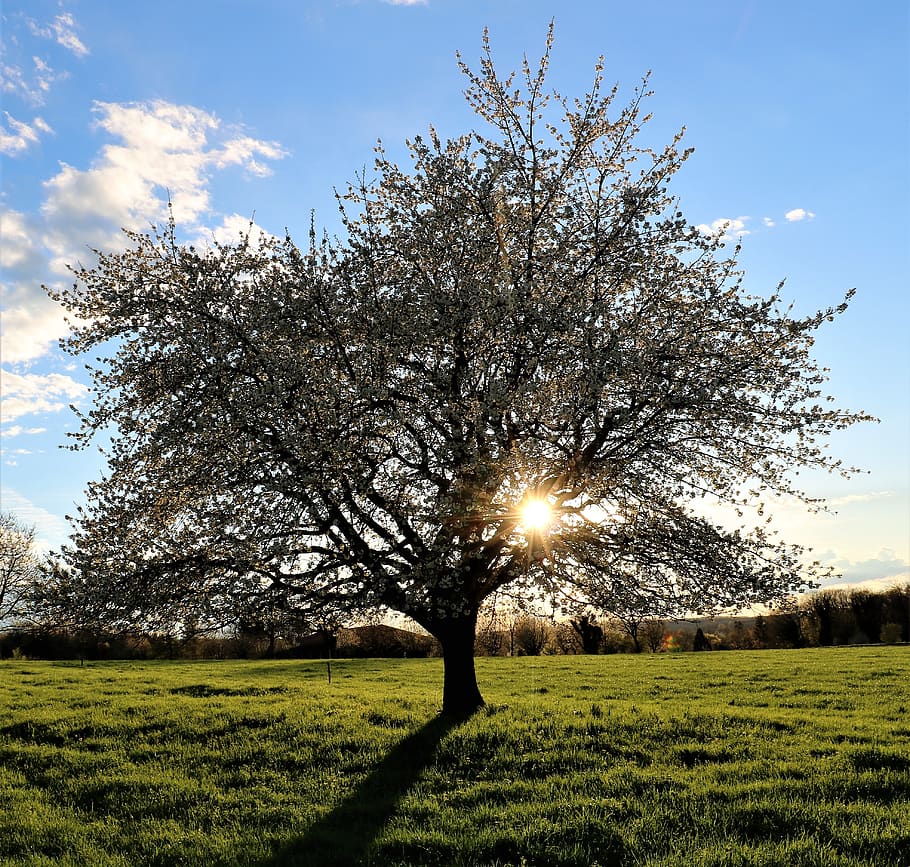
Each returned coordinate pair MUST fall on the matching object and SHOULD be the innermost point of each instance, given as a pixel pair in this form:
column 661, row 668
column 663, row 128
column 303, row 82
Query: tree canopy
column 522, row 315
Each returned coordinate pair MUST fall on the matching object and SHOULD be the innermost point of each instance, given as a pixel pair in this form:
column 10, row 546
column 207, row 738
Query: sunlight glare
column 536, row 515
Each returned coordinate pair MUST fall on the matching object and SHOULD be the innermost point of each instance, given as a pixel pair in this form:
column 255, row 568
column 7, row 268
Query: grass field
column 771, row 758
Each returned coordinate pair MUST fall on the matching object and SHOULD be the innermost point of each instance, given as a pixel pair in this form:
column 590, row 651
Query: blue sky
column 798, row 112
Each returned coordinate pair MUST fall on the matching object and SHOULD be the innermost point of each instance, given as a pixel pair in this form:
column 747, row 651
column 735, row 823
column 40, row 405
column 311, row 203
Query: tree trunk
column 460, row 695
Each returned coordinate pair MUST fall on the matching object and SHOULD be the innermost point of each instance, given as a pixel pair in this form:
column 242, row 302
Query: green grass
column 766, row 758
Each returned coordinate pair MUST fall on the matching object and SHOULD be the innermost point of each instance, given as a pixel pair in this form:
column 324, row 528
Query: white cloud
column 232, row 229
column 876, row 585
column 769, row 222
column 12, row 80
column 159, row 150
column 20, row 136
column 726, row 228
column 163, row 150
column 32, row 88
column 798, row 214
column 869, row 497
column 243, row 150
column 25, row 394
column 20, row 253
column 406, row 2
column 33, row 85
column 885, row 568
column 18, row 430
column 63, row 31
column 30, row 324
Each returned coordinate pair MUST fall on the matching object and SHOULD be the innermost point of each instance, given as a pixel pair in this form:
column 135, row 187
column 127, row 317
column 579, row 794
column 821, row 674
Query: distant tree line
column 826, row 618
column 374, row 640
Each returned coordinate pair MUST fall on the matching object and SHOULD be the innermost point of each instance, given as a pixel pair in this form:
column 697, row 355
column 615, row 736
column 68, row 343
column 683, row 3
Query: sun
column 536, row 515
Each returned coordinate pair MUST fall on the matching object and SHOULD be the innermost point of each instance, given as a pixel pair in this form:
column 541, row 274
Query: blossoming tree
column 519, row 367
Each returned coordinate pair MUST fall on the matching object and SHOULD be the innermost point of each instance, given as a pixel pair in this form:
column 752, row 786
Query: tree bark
column 460, row 694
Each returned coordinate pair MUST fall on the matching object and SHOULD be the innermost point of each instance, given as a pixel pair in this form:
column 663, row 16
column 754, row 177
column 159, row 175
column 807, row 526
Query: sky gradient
column 798, row 113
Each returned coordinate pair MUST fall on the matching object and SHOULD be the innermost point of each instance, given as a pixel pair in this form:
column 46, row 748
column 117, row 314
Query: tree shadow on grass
column 343, row 837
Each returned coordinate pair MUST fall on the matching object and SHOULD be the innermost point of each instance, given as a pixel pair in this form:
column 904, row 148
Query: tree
column 517, row 368
column 826, row 610
column 531, row 635
column 866, row 607
column 896, row 608
column 654, row 633
column 701, row 641
column 589, row 632
column 19, row 567
column 787, row 624
column 760, row 632
column 491, row 633
column 633, row 594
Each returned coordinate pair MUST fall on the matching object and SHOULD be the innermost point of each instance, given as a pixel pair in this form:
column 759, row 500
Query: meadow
column 678, row 760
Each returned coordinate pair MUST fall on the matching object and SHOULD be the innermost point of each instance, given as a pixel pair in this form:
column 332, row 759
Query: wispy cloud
column 244, row 150
column 32, row 87
column 63, row 31
column 19, row 136
column 17, row 430
column 798, row 214
column 51, row 531
column 868, row 497
column 406, row 2
column 30, row 84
